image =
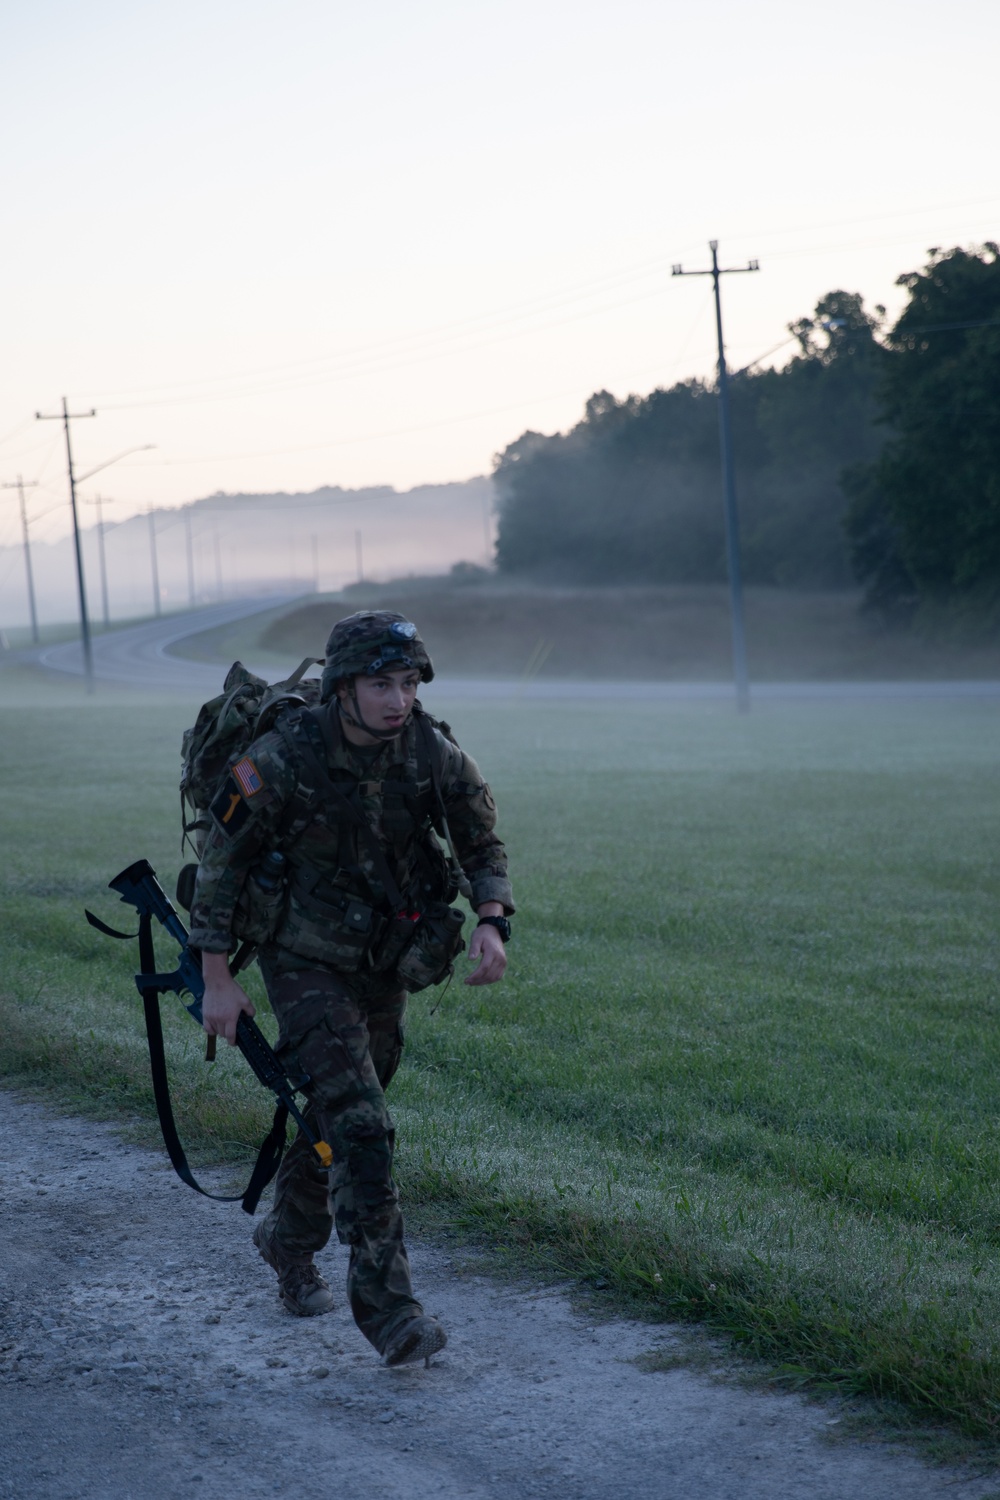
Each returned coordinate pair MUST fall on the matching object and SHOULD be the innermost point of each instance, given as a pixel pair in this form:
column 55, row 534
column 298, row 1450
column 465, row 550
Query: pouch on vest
column 436, row 944
column 339, row 932
column 261, row 902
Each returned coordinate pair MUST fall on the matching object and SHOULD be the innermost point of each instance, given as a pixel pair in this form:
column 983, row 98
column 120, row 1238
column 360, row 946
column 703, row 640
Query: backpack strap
column 425, row 732
column 300, row 671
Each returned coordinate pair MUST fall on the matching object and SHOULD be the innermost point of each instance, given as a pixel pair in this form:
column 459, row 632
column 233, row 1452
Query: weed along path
column 146, row 1357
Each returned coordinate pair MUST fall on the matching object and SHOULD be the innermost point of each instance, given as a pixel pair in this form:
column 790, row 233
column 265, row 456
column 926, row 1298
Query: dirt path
column 144, row 1356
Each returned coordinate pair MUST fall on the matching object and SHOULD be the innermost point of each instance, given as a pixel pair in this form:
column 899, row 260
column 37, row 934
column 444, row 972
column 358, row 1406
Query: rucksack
column 225, row 727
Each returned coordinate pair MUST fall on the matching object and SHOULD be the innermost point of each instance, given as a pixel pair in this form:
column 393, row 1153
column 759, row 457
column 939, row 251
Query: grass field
column 744, row 1067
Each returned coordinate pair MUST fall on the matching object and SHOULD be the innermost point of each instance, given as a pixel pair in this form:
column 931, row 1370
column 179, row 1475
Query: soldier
column 339, row 804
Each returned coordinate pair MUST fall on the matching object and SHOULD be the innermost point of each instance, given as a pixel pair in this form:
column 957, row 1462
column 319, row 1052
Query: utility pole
column 152, row 559
column 729, row 482
column 189, row 547
column 98, row 500
column 488, row 531
column 66, row 417
column 218, row 564
column 19, row 486
column 315, row 556
column 359, row 557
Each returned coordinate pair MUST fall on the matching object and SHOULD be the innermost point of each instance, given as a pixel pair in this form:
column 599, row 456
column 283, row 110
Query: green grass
column 744, row 1067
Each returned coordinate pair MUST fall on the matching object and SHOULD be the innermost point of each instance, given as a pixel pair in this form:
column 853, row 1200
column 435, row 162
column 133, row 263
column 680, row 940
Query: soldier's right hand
column 223, row 1000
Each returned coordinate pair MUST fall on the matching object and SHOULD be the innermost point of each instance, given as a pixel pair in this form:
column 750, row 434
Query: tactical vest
column 336, row 909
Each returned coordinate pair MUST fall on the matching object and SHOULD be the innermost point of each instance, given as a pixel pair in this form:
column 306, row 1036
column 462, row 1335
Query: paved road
column 143, row 656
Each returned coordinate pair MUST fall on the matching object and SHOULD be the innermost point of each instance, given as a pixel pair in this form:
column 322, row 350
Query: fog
column 229, row 546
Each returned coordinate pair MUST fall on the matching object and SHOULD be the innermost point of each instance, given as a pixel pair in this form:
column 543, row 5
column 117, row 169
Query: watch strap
column 502, row 925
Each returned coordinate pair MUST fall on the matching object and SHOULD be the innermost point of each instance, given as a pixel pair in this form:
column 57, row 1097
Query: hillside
column 679, row 633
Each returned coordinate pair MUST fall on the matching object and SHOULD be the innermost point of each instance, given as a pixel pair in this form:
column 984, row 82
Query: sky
column 324, row 243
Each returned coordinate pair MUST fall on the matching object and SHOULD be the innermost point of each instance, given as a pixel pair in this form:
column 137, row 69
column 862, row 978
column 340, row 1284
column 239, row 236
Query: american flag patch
column 247, row 776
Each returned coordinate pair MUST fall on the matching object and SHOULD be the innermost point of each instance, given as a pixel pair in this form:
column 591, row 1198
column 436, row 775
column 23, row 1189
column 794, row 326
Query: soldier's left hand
column 487, row 946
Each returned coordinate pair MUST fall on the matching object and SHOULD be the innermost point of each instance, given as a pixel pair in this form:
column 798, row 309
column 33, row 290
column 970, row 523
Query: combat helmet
column 368, row 642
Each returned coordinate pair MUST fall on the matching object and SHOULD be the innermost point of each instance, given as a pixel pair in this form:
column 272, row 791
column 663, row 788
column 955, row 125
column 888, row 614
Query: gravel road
column 144, row 1356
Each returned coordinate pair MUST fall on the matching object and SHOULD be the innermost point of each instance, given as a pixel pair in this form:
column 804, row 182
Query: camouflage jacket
column 267, row 802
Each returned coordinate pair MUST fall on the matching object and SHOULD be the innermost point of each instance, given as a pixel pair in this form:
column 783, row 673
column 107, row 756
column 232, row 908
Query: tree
column 924, row 519
column 633, row 493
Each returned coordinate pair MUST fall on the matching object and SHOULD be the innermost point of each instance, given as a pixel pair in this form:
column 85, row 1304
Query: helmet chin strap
column 359, row 723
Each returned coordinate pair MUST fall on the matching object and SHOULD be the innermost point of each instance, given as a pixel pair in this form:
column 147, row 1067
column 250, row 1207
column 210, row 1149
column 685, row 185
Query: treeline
column 924, row 517
column 871, row 456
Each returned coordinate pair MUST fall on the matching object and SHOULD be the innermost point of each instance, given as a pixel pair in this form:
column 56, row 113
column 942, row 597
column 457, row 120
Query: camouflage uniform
column 335, row 990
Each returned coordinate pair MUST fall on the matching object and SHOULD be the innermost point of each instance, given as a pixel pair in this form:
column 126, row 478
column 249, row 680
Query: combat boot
column 418, row 1338
column 300, row 1286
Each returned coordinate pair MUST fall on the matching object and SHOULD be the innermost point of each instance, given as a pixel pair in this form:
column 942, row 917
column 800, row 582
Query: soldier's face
column 386, row 701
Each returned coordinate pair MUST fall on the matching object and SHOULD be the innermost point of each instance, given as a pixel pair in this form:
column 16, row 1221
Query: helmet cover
column 372, row 641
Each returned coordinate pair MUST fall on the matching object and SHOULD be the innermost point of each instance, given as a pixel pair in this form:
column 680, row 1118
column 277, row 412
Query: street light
column 145, row 448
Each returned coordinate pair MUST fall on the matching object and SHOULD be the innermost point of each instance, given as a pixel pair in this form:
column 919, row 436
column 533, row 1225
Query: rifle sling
column 269, row 1156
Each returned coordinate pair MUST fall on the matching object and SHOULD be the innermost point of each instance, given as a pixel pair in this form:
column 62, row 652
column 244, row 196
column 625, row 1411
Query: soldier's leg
column 302, row 1205
column 325, row 1026
column 301, row 1217
column 379, row 1274
column 385, row 1033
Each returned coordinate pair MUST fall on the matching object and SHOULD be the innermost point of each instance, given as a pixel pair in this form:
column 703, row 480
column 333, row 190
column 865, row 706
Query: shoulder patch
column 248, row 776
column 229, row 808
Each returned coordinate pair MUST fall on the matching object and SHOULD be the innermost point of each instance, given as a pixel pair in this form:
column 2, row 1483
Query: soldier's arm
column 472, row 818
column 245, row 816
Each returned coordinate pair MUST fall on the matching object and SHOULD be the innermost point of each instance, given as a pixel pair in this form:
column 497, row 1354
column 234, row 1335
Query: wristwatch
column 502, row 925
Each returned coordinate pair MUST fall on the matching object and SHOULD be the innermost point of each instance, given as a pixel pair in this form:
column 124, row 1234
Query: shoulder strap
column 426, row 732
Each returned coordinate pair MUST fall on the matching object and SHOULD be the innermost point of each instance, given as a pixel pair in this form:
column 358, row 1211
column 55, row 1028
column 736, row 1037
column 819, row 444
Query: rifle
column 138, row 886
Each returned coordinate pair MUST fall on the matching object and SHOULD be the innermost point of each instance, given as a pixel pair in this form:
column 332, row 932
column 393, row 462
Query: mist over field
column 228, row 546
column 476, row 624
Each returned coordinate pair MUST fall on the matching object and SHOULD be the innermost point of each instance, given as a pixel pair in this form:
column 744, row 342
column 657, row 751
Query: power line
column 370, row 366
column 905, row 333
column 472, row 416
column 14, row 431
column 451, row 330
column 518, row 310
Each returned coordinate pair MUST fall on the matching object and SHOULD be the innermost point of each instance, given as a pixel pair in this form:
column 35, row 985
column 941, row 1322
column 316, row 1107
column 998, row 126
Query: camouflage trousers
column 345, row 1031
